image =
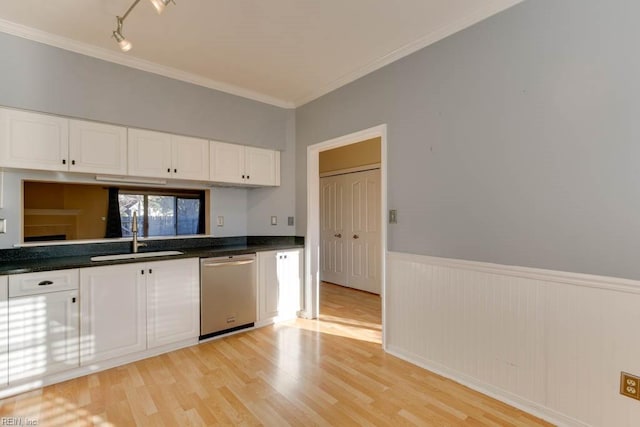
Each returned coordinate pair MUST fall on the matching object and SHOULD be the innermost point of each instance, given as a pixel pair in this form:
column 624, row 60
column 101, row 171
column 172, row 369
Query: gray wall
column 515, row 141
column 42, row 78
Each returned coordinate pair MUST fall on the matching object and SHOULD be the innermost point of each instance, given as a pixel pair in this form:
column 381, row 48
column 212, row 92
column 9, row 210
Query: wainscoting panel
column 551, row 343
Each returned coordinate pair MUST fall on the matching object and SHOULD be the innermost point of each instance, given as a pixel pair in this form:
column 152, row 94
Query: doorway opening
column 348, row 247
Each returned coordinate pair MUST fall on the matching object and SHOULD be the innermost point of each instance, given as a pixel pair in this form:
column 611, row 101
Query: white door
column 226, row 162
column 97, row 148
column 260, row 166
column 332, row 230
column 149, row 154
column 33, row 141
column 113, row 311
column 43, row 334
column 190, row 158
column 173, row 295
column 4, row 331
column 363, row 237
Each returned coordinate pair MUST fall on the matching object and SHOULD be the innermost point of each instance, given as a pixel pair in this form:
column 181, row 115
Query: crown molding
column 132, row 62
column 483, row 12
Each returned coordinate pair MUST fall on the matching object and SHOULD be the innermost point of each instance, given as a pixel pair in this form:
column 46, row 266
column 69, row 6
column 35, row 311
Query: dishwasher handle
column 227, row 263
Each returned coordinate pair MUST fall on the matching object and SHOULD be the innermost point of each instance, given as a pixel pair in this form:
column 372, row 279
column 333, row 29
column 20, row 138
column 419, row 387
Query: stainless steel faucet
column 134, row 231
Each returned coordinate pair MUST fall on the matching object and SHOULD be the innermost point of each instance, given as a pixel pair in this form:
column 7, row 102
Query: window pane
column 188, row 210
column 162, row 218
column 130, row 203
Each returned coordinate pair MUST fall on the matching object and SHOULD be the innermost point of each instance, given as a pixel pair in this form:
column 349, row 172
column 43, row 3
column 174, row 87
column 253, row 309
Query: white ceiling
column 283, row 52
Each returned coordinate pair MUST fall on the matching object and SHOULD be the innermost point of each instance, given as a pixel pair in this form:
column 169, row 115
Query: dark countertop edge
column 64, row 263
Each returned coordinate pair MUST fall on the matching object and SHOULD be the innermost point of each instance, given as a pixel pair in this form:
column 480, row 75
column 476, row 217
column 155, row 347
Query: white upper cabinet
column 162, row 155
column 149, row 153
column 190, row 158
column 33, row 141
column 44, row 142
column 97, row 148
column 237, row 164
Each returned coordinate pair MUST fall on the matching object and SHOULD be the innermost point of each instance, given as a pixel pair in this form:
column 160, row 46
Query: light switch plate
column 3, row 225
column 220, row 221
column 393, row 216
column 290, row 220
column 274, row 220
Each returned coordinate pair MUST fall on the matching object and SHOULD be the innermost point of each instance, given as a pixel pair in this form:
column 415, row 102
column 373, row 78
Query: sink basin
column 131, row 256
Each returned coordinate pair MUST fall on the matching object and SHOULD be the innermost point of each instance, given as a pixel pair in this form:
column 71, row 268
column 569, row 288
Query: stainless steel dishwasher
column 227, row 294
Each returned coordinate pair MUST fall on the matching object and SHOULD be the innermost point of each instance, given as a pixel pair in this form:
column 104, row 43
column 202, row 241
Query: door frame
column 312, row 240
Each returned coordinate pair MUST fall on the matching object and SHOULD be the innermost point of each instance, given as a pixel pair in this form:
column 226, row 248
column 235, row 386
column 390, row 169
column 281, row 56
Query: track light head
column 125, row 45
column 160, row 5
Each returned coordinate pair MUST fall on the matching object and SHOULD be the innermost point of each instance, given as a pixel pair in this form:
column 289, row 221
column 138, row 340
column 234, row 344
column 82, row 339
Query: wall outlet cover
column 274, row 220
column 220, row 221
column 3, row 225
column 630, row 385
column 290, row 220
column 393, row 216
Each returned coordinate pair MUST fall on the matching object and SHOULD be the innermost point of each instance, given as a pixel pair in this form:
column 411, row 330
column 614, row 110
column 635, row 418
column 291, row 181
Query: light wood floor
column 330, row 371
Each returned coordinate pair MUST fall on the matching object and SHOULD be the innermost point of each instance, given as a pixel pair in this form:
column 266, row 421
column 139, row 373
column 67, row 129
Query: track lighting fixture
column 125, row 45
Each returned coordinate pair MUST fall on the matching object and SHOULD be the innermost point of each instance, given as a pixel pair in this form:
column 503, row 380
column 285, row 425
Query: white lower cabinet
column 173, row 296
column 113, row 311
column 131, row 307
column 280, row 275
column 43, row 314
column 4, row 331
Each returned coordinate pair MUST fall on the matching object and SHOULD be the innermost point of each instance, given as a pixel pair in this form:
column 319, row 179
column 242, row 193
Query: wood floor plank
column 325, row 372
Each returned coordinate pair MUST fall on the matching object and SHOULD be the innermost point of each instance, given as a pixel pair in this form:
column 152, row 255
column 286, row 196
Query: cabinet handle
column 142, row 272
column 248, row 177
column 242, row 176
column 168, row 170
column 355, row 236
column 73, row 162
column 339, row 235
column 64, row 161
column 73, row 300
column 45, row 283
column 150, row 271
column 175, row 171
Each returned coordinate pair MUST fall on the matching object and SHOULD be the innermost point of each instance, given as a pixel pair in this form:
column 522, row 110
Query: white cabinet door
column 4, row 331
column 149, row 154
column 173, row 295
column 268, row 292
column 290, row 270
column 33, row 141
column 279, row 284
column 97, row 148
column 43, row 334
column 190, row 158
column 113, row 311
column 226, row 163
column 261, row 165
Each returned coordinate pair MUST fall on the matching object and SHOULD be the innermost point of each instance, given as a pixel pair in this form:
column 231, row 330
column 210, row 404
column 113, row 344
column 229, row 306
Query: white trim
column 350, row 170
column 133, row 62
column 516, row 401
column 485, row 10
column 567, row 278
column 312, row 240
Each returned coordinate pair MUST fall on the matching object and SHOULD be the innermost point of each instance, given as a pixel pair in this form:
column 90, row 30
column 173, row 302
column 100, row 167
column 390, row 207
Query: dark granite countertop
column 58, row 257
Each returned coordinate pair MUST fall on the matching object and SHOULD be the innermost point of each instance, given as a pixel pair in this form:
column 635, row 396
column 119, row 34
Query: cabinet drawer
column 42, row 282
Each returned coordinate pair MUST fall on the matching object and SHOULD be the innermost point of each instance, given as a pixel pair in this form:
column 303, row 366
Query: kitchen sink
column 136, row 255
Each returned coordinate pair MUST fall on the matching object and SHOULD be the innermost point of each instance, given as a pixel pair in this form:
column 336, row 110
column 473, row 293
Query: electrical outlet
column 274, row 220
column 3, row 225
column 630, row 385
column 289, row 220
column 220, row 221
